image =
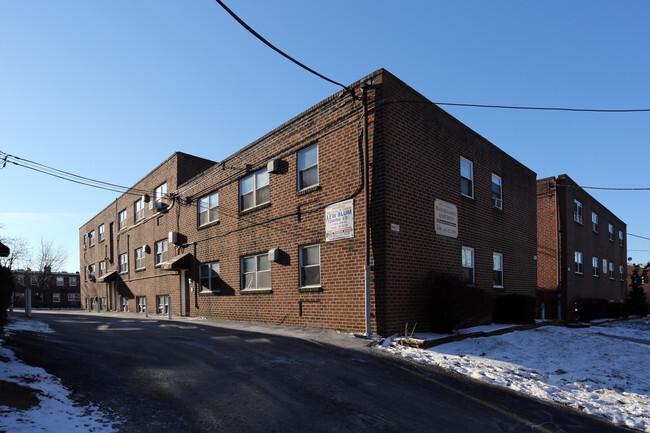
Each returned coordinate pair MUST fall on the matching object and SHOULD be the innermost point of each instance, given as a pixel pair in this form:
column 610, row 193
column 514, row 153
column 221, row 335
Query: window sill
column 256, row 291
column 470, row 197
column 579, row 273
column 208, row 225
column 209, row 292
column 253, row 209
column 140, row 269
column 306, row 191
column 311, row 289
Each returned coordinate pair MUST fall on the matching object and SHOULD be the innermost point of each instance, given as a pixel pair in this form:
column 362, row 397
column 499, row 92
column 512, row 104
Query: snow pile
column 601, row 370
column 55, row 412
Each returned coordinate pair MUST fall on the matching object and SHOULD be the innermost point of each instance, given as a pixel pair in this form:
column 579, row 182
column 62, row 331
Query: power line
column 637, row 236
column 514, row 107
column 274, row 48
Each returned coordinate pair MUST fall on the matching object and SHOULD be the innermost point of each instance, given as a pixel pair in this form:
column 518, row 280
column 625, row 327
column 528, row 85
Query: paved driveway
column 215, row 376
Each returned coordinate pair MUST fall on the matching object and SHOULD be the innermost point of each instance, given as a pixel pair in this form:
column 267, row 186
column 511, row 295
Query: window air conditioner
column 157, row 205
column 172, row 237
column 273, row 165
column 146, row 198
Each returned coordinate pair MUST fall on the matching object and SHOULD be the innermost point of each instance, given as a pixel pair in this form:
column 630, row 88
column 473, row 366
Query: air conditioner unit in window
column 172, row 237
column 158, row 205
column 146, row 198
column 273, row 165
column 496, row 202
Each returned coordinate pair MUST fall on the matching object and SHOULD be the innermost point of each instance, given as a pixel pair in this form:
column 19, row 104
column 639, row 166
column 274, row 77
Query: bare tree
column 19, row 255
column 51, row 257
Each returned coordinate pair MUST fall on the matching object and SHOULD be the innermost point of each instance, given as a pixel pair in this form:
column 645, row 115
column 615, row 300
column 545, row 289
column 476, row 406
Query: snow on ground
column 601, row 370
column 56, row 411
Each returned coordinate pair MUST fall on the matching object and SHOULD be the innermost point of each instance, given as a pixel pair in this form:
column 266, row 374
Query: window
column 91, row 270
column 209, row 208
column 101, row 233
column 140, row 258
column 308, row 167
column 605, row 267
column 256, row 272
column 102, row 268
column 466, row 177
column 162, row 304
column 121, row 220
column 596, row 265
column 497, row 197
column 159, row 196
column 85, row 240
column 310, row 266
column 611, row 270
column 578, row 262
column 468, row 265
column 620, row 237
column 74, row 297
column 102, row 304
column 577, row 211
column 138, row 210
column 123, row 260
column 60, row 281
column 497, row 267
column 141, row 302
column 209, row 277
column 20, row 279
column 594, row 222
column 254, row 190
column 72, row 281
column 611, row 232
column 91, row 238
column 56, row 297
column 124, row 302
column 160, row 252
column 33, row 280
column 621, row 272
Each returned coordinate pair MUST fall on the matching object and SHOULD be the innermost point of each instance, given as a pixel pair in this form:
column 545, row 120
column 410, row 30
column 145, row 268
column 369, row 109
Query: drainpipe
column 366, row 184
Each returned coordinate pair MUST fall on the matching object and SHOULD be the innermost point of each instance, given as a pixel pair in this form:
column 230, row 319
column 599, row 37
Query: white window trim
column 91, row 238
column 471, row 166
column 209, row 208
column 302, row 265
column 577, row 212
column 101, row 230
column 620, row 237
column 497, row 202
column 595, row 226
column 463, row 249
column 122, row 218
column 162, row 255
column 124, row 263
column 611, row 232
column 612, row 272
column 209, row 289
column 138, row 210
column 300, row 169
column 596, row 265
column 578, row 265
column 243, row 275
column 498, row 286
column 143, row 259
column 254, row 190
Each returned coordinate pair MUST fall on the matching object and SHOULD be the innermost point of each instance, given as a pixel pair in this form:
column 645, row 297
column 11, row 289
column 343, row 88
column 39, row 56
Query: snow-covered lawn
column 55, row 412
column 603, row 370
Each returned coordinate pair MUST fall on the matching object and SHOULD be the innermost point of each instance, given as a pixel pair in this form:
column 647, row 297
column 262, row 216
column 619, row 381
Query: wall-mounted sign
column 446, row 218
column 339, row 221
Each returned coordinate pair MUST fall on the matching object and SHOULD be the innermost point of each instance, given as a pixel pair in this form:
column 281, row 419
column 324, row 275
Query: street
column 185, row 375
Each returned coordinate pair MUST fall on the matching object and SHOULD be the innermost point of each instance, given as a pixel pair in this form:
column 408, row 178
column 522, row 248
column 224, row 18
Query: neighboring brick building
column 48, row 289
column 277, row 232
column 582, row 253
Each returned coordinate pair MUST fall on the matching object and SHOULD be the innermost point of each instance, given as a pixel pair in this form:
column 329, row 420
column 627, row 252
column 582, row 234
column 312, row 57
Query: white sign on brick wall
column 339, row 221
column 446, row 218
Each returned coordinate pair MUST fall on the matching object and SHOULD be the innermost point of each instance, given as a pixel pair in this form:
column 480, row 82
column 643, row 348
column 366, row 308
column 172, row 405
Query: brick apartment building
column 48, row 289
column 285, row 230
column 582, row 253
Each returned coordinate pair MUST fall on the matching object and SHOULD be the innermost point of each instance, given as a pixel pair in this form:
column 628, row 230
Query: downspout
column 366, row 179
column 559, row 254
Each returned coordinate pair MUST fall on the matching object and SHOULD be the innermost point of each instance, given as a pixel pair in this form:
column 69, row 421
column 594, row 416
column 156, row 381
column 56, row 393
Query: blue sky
column 108, row 90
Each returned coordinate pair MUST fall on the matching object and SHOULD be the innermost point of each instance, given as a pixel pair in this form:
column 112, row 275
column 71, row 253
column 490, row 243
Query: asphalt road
column 214, row 376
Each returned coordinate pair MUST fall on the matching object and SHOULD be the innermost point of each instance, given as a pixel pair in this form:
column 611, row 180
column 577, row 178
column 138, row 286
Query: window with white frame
column 308, row 167
column 209, row 277
column 20, row 280
column 466, row 177
column 140, row 256
column 74, row 297
column 124, row 303
column 621, row 272
column 103, row 305
column 60, row 281
column 256, row 272
column 33, row 280
column 102, row 268
column 138, row 210
column 497, row 268
column 611, row 270
column 56, row 297
column 160, row 250
column 594, row 222
column 620, row 237
column 467, row 263
column 497, row 192
column 578, row 262
column 123, row 261
column 85, row 240
column 596, row 265
column 91, row 270
column 162, row 304
column 208, row 208
column 254, row 190
column 141, row 302
column 577, row 211
column 72, row 281
column 160, row 195
column 121, row 224
column 310, row 266
column 91, row 238
column 101, row 232
column 611, row 232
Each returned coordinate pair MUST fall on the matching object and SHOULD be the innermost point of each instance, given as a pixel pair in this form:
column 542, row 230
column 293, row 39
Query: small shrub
column 6, row 291
column 617, row 309
column 452, row 304
column 589, row 309
column 515, row 308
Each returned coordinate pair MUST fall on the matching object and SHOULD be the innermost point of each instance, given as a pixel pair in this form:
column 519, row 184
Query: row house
column 335, row 219
column 48, row 289
column 581, row 248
